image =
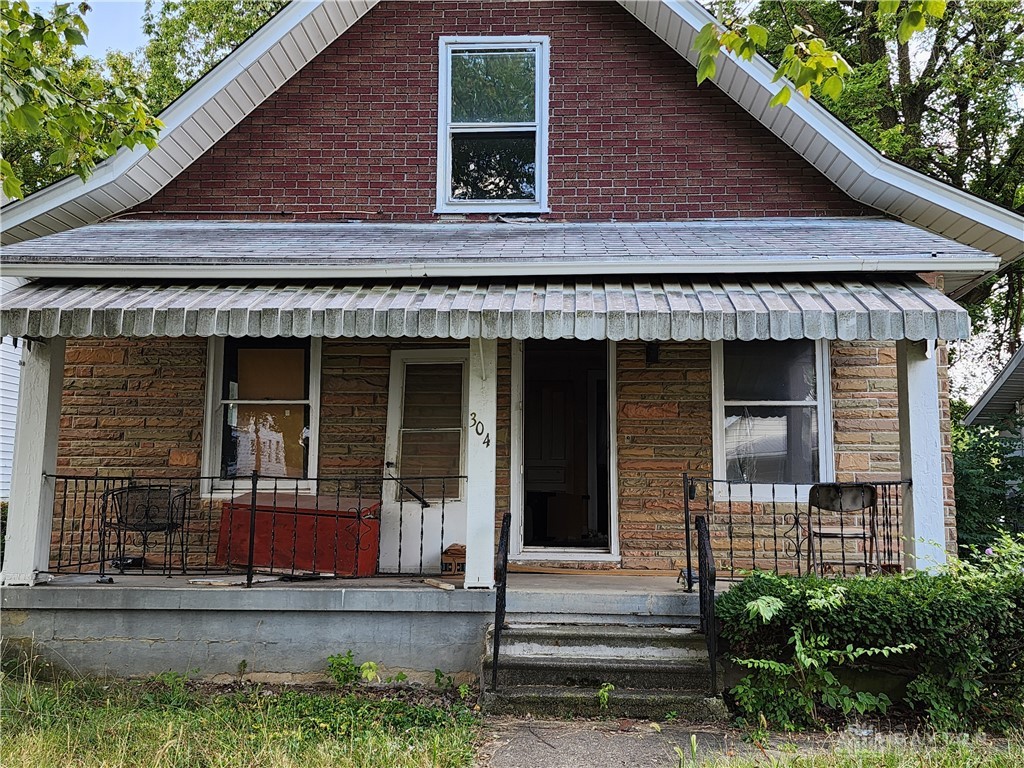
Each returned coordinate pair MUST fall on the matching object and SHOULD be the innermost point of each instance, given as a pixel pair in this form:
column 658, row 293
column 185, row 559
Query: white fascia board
column 291, row 17
column 869, row 160
column 193, row 272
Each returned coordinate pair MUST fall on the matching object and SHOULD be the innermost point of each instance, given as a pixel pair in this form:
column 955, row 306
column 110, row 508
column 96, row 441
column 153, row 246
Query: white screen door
column 424, row 497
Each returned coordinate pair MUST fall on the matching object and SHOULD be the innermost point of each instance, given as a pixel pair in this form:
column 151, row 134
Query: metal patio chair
column 143, row 509
column 855, row 509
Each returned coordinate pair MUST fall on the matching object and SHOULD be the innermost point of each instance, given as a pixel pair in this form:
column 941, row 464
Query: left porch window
column 265, row 409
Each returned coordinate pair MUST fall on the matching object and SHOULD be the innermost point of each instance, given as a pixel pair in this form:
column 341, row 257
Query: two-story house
column 395, row 269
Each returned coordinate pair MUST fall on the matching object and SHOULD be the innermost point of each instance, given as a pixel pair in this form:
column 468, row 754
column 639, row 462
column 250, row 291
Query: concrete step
column 600, row 599
column 571, row 701
column 691, row 675
column 599, row 641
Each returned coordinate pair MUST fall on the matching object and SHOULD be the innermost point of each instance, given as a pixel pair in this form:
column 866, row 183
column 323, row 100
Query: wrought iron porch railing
column 338, row 526
column 707, row 577
column 833, row 529
column 501, row 593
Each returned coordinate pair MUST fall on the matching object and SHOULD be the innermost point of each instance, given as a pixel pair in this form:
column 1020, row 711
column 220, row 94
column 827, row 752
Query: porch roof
column 218, row 251
column 655, row 310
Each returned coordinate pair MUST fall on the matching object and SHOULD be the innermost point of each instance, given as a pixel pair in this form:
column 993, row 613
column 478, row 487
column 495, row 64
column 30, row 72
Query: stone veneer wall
column 866, row 416
column 138, row 406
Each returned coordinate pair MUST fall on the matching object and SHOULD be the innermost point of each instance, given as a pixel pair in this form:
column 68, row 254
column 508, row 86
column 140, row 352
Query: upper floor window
column 772, row 421
column 492, row 124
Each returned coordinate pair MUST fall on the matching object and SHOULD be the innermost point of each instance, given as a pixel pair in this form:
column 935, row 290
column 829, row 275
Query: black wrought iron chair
column 853, row 518
column 143, row 509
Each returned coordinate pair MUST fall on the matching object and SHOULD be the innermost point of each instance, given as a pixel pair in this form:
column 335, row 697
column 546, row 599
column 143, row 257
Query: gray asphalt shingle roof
column 219, row 248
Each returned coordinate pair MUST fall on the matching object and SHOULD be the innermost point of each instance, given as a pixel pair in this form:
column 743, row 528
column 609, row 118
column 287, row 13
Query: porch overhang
column 648, row 310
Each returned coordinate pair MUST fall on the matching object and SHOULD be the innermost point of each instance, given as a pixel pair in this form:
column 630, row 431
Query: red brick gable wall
column 631, row 136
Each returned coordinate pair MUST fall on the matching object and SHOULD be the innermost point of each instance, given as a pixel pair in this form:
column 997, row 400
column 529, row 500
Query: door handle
column 389, row 465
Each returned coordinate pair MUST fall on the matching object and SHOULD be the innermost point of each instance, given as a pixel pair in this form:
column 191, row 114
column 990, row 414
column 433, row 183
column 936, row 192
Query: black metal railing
column 830, row 529
column 337, row 526
column 707, row 579
column 500, row 596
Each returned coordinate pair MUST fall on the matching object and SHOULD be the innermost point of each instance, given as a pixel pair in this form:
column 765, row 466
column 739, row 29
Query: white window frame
column 445, row 203
column 213, row 429
column 826, row 446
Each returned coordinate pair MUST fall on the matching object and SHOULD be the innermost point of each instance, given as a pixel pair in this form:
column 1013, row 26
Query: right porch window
column 772, row 425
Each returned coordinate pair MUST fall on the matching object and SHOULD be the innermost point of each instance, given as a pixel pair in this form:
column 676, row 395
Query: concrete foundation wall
column 280, row 634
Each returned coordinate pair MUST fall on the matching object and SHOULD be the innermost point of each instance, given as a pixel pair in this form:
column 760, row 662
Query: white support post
column 481, row 469
column 924, row 529
column 30, row 515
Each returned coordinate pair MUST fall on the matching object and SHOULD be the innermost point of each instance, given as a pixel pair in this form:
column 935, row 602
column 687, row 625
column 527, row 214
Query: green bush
column 965, row 669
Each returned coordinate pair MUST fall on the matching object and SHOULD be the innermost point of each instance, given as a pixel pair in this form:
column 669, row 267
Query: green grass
column 171, row 723
column 937, row 752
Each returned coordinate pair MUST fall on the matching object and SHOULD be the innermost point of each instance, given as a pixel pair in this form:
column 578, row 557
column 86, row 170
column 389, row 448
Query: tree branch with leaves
column 54, row 100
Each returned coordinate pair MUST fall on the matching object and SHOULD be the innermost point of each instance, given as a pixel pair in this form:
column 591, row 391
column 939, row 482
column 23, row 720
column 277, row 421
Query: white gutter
column 542, row 267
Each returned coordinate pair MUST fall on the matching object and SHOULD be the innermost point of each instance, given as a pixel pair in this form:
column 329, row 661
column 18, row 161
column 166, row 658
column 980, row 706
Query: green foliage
column 189, row 37
column 442, row 681
column 787, row 693
column 954, row 637
column 106, row 722
column 945, row 102
column 988, row 464
column 368, row 672
column 342, row 669
column 604, row 695
column 57, row 110
column 807, row 61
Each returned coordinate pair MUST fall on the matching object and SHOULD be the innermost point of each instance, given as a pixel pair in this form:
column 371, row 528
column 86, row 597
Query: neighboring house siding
column 354, row 134
column 10, row 373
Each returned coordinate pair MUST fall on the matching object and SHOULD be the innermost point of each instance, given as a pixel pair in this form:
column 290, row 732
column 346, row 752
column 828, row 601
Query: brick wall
column 354, row 134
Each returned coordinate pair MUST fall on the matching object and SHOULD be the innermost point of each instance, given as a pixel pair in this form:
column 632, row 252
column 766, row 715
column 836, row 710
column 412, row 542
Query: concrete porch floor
column 520, row 583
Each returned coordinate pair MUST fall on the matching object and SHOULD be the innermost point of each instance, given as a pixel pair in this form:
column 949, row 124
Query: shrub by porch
column 965, row 670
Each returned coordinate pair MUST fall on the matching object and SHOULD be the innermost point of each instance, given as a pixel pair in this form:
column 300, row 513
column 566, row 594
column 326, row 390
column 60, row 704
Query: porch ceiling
column 658, row 310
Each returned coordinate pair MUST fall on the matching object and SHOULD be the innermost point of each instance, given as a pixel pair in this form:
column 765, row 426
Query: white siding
column 10, row 357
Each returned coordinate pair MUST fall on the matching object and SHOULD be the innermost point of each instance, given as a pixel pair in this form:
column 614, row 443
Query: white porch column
column 30, row 515
column 481, row 470
column 921, row 454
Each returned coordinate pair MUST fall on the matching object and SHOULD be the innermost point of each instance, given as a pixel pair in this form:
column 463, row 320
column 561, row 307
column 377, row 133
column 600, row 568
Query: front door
column 423, row 508
column 566, row 502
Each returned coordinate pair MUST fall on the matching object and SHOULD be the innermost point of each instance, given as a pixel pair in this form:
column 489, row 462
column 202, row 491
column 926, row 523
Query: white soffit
column 304, row 28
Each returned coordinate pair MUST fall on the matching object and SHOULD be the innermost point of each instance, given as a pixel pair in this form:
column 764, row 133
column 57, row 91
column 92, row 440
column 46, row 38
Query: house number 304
column 481, row 431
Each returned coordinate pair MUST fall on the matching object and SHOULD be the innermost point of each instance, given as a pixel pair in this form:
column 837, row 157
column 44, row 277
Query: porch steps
column 556, row 670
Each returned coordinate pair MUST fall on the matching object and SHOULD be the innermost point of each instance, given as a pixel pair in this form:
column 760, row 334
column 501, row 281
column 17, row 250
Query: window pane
column 264, row 370
column 776, row 444
column 769, row 370
column 431, row 453
column 272, row 440
column 494, row 166
column 493, row 87
column 433, row 397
